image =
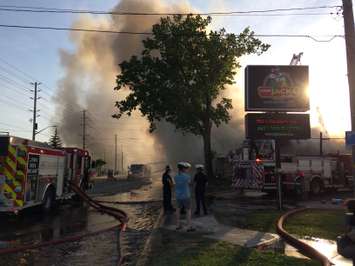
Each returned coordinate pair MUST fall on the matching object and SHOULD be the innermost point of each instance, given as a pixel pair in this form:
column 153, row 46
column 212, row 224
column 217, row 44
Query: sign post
column 277, row 172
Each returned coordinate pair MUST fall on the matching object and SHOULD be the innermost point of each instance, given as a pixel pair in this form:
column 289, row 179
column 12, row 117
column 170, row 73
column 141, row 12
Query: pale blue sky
column 37, row 53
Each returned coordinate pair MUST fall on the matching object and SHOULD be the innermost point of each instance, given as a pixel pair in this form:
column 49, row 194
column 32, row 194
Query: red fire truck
column 32, row 173
column 315, row 174
column 254, row 168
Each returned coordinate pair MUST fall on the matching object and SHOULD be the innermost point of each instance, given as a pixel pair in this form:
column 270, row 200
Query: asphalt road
column 32, row 226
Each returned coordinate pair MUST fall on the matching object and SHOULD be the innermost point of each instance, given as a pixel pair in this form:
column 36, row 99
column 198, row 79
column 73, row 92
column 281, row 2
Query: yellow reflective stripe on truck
column 12, row 150
column 10, row 171
column 11, row 163
column 22, row 155
column 8, row 189
column 21, row 161
column 10, row 176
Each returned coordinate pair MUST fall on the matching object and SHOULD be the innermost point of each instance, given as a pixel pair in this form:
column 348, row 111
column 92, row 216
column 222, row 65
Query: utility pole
column 122, row 159
column 84, row 129
column 321, row 143
column 115, row 153
column 34, row 120
column 350, row 54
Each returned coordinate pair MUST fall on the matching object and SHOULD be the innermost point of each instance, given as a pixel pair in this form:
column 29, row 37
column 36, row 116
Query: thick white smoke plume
column 90, row 72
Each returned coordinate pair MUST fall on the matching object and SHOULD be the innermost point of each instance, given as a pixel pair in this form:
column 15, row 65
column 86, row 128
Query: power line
column 73, row 29
column 12, row 89
column 44, row 134
column 319, row 38
column 14, row 74
column 44, row 117
column 10, row 125
column 13, row 82
column 15, row 100
column 46, row 92
column 18, row 70
column 12, row 105
column 127, row 13
column 11, row 130
column 280, row 14
column 45, row 99
column 314, row 38
column 28, row 76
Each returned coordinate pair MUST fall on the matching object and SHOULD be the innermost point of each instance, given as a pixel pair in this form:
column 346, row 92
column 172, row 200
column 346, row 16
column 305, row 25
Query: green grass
column 182, row 249
column 262, row 220
column 326, row 224
column 258, row 220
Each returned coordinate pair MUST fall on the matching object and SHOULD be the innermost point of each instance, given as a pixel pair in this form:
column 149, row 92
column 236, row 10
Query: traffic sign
column 350, row 137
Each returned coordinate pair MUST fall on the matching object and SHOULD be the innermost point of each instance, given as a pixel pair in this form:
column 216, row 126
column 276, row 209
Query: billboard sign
column 277, row 126
column 276, row 88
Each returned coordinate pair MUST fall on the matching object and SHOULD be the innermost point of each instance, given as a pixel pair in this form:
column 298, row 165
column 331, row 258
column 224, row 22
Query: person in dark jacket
column 167, row 184
column 200, row 181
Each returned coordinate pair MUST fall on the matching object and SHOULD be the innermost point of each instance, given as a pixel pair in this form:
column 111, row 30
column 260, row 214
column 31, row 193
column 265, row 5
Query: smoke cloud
column 88, row 82
column 90, row 72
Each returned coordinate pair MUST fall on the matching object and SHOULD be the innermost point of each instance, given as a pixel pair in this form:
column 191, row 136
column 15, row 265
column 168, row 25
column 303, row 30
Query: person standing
column 183, row 195
column 167, row 184
column 200, row 181
column 346, row 242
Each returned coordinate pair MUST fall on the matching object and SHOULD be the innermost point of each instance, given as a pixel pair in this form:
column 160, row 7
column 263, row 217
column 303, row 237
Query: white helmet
column 199, row 166
column 184, row 164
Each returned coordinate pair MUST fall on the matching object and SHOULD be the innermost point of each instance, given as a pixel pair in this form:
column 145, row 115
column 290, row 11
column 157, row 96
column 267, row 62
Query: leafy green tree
column 181, row 73
column 55, row 140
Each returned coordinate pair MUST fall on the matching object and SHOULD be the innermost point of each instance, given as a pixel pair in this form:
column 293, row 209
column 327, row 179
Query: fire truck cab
column 32, row 173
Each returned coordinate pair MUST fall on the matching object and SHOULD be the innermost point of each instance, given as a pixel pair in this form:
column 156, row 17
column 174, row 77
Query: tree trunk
column 208, row 152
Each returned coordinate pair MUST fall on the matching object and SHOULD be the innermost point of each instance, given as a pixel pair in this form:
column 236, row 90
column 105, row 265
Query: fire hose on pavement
column 118, row 214
column 298, row 244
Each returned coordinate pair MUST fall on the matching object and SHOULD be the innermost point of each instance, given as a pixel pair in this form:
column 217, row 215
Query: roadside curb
column 143, row 257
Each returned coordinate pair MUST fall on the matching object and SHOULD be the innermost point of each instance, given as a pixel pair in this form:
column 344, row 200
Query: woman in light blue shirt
column 183, row 194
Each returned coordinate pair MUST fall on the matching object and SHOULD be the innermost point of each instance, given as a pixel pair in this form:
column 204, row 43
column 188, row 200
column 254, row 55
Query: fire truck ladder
column 296, row 59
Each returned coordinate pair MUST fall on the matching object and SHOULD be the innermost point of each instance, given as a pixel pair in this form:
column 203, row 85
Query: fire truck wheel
column 316, row 186
column 48, row 200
